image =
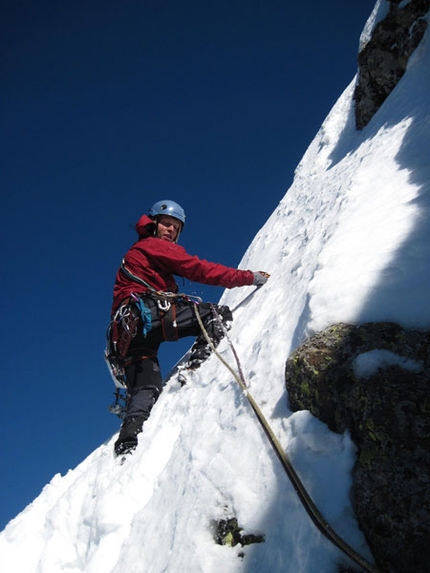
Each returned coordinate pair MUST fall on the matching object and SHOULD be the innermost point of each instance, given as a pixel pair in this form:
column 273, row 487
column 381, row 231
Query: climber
column 147, row 271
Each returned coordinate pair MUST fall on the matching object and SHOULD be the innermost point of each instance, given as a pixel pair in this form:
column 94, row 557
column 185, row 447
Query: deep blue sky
column 108, row 106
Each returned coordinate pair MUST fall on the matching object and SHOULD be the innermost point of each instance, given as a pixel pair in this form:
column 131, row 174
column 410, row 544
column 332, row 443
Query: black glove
column 260, row 278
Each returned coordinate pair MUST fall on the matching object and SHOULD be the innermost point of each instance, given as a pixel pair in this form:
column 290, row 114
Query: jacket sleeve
column 173, row 258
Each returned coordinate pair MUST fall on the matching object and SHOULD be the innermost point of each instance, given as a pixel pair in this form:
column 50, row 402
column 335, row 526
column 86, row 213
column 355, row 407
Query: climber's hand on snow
column 260, row 278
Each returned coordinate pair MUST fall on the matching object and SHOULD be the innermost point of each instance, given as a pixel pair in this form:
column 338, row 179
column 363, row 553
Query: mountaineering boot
column 201, row 350
column 127, row 439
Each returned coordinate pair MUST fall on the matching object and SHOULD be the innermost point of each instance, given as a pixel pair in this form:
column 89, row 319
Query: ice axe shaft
column 248, row 296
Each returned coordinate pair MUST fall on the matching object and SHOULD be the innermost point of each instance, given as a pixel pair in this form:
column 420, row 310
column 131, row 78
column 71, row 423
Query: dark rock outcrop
column 383, row 60
column 373, row 380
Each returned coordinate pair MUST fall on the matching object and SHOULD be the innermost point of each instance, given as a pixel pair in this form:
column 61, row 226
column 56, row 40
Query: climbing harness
column 165, row 303
column 307, row 502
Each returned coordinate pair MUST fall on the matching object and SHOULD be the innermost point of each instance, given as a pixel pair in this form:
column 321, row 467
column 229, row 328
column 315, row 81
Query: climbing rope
column 307, row 502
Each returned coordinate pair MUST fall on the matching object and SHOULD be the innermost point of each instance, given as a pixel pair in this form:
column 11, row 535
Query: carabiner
column 163, row 305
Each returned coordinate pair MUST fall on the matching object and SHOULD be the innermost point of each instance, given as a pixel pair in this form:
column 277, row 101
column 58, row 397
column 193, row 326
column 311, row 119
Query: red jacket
column 156, row 261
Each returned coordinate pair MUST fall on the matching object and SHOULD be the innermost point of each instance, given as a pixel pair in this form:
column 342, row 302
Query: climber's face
column 168, row 228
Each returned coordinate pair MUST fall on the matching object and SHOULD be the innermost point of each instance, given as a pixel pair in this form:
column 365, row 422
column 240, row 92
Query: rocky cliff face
column 383, row 60
column 373, row 381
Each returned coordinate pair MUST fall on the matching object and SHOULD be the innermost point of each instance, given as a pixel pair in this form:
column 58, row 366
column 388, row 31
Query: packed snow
column 368, row 363
column 349, row 242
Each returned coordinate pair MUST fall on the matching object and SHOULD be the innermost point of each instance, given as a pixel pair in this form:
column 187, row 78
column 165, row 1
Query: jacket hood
column 145, row 227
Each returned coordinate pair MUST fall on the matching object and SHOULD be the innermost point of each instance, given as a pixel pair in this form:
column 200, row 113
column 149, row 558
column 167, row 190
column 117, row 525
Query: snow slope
column 350, row 241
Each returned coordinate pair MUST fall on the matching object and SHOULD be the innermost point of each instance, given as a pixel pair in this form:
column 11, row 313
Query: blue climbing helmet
column 167, row 208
